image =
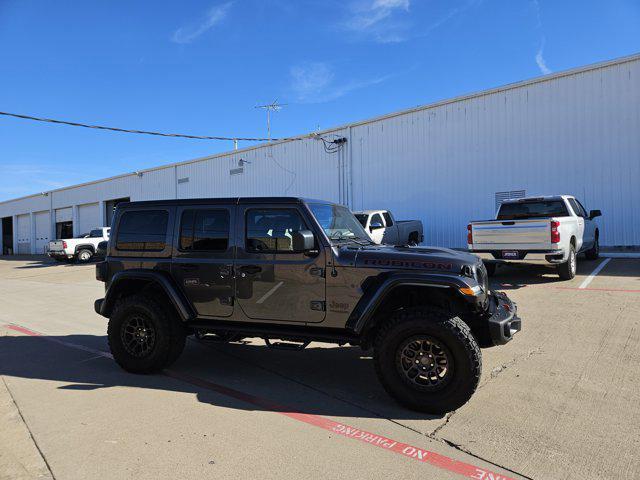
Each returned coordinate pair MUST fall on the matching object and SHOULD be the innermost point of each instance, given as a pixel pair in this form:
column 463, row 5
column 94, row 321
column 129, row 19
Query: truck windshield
column 96, row 234
column 339, row 223
column 532, row 209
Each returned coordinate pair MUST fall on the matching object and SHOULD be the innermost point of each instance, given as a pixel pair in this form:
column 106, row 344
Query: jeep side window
column 204, row 230
column 269, row 230
column 143, row 230
column 387, row 219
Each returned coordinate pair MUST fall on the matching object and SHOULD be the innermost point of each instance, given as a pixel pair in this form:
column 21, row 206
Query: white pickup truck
column 81, row 249
column 382, row 227
column 542, row 230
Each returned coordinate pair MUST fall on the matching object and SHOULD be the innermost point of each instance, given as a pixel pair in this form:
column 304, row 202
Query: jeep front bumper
column 504, row 322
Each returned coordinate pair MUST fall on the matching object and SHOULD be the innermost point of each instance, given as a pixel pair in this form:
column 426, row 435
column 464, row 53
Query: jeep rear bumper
column 504, row 322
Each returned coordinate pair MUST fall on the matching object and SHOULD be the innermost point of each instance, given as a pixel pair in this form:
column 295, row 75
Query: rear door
column 203, row 258
column 273, row 282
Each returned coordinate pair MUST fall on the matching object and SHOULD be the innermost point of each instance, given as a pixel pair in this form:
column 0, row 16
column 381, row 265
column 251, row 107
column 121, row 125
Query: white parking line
column 595, row 272
column 270, row 292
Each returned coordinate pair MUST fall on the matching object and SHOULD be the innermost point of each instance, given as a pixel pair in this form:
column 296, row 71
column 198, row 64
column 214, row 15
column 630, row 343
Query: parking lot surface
column 560, row 401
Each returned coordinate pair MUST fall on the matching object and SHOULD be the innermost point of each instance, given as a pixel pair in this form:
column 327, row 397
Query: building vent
column 236, row 171
column 183, row 180
column 502, row 196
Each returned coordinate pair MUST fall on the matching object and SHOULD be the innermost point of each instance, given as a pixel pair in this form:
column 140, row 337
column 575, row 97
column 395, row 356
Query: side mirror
column 375, row 226
column 594, row 213
column 303, row 241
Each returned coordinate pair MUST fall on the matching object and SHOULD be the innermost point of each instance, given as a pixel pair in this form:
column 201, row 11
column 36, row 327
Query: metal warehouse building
column 575, row 132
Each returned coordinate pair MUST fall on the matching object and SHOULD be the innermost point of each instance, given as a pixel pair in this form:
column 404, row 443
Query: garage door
column 43, row 230
column 88, row 217
column 24, row 234
column 64, row 215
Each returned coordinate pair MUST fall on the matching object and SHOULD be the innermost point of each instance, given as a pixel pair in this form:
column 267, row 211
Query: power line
column 143, row 132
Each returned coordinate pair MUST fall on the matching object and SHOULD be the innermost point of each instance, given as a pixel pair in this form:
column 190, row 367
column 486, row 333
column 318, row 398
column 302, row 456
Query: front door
column 274, row 282
column 203, row 258
column 376, row 228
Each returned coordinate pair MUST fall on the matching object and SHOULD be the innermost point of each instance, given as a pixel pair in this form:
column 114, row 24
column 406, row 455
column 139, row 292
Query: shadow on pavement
column 338, row 382
column 42, row 261
column 513, row 277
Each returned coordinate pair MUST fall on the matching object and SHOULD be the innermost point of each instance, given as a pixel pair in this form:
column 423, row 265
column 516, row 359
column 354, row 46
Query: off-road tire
column 84, row 255
column 567, row 270
column 594, row 252
column 443, row 327
column 491, row 268
column 170, row 334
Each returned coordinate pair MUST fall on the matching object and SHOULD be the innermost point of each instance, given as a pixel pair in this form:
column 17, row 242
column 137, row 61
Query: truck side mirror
column 303, row 241
column 375, row 226
column 594, row 213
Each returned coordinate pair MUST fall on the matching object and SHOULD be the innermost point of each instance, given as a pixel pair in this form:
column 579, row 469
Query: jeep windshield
column 339, row 224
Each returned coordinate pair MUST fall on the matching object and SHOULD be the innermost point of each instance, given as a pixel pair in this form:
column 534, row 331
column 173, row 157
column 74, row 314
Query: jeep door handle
column 250, row 269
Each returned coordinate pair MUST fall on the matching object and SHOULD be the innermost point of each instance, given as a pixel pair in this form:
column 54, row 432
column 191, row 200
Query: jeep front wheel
column 428, row 360
column 144, row 336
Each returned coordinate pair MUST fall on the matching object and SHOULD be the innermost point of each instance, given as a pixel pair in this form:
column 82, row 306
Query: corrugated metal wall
column 573, row 133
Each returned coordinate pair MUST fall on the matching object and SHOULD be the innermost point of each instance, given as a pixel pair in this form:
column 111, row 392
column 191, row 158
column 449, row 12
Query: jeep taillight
column 469, row 234
column 555, row 234
column 64, row 244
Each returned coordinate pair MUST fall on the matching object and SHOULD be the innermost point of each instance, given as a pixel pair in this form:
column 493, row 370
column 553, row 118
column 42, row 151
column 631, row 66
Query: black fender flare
column 176, row 297
column 363, row 315
column 85, row 246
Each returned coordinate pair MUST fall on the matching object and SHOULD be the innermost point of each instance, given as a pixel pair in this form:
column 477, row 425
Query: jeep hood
column 407, row 258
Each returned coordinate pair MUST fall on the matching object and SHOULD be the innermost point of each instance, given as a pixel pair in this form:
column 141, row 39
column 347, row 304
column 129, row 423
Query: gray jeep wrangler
column 293, row 271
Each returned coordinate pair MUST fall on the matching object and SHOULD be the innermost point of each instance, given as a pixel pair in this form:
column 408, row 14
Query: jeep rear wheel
column 144, row 335
column 428, row 360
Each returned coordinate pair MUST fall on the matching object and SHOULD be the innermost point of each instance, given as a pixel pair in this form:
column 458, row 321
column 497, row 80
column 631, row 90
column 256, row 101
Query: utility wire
column 143, row 132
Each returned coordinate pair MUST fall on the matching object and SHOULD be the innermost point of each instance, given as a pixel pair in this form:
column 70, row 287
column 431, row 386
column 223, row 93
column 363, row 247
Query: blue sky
column 200, row 67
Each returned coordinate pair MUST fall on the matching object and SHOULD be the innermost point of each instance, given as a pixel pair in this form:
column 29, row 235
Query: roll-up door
column 43, row 230
column 64, row 215
column 24, row 234
column 88, row 217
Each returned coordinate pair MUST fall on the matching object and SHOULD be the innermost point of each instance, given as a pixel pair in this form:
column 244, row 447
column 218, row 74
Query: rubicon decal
column 374, row 262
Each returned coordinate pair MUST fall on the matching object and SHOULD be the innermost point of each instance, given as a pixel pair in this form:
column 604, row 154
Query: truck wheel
column 84, row 255
column 144, row 335
column 428, row 360
column 594, row 252
column 567, row 270
column 491, row 268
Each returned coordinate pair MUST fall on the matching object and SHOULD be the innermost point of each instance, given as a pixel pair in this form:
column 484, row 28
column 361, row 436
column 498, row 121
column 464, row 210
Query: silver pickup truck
column 383, row 228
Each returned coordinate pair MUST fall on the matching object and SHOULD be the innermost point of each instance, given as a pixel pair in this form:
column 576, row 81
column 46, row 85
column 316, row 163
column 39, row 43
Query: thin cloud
column 214, row 16
column 542, row 64
column 540, row 61
column 314, row 82
column 378, row 18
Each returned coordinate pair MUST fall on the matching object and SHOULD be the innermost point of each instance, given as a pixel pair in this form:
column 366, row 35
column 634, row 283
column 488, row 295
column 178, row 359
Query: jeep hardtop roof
column 214, row 201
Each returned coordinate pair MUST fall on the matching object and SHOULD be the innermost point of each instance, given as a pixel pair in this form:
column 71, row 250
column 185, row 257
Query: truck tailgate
column 512, row 234
column 55, row 245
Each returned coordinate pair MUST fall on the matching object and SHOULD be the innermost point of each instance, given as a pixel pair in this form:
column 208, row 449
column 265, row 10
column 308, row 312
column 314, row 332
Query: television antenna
column 271, row 107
